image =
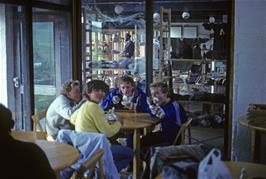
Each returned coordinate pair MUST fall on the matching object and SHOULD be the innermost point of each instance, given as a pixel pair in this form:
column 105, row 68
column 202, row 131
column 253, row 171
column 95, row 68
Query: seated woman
column 90, row 117
column 60, row 110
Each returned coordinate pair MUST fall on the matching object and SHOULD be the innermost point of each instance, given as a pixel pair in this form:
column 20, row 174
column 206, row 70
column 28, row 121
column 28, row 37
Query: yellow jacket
column 90, row 117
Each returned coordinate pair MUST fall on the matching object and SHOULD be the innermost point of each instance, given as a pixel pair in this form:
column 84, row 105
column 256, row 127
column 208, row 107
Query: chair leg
column 189, row 135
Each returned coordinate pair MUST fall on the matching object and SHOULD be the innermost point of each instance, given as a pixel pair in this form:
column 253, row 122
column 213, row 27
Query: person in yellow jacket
column 90, row 117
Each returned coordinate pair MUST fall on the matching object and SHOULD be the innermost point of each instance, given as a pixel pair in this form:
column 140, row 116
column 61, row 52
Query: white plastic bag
column 211, row 167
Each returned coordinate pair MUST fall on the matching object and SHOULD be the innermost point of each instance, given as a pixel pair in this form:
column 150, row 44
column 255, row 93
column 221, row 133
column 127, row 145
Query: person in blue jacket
column 169, row 112
column 126, row 97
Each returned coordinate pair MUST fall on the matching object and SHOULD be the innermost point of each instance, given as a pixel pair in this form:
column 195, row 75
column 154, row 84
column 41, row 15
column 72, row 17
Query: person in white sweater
column 61, row 109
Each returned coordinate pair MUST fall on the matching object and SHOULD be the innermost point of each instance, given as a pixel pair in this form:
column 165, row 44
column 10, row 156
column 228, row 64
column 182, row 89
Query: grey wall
column 249, row 69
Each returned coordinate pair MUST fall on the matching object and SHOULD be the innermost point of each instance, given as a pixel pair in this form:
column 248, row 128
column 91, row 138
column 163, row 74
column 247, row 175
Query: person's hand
column 157, row 111
column 130, row 106
column 150, row 101
column 116, row 99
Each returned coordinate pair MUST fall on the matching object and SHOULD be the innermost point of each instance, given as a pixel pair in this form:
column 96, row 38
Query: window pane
column 51, row 54
column 190, row 32
column 105, row 53
column 176, row 32
column 44, row 66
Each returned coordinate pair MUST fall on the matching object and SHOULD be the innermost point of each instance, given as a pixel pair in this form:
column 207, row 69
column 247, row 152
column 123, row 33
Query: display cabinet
column 198, row 77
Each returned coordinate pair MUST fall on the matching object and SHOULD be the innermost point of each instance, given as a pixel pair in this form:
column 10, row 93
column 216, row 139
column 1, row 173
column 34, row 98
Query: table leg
column 255, row 150
column 136, row 159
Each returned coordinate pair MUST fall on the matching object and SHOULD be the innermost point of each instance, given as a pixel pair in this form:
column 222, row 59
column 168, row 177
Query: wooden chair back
column 180, row 137
column 89, row 165
column 29, row 136
column 36, row 118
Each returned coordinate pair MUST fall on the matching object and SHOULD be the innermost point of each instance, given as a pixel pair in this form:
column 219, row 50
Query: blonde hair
column 68, row 86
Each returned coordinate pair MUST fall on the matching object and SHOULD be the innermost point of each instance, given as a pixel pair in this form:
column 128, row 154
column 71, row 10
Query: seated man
column 20, row 159
column 91, row 118
column 127, row 96
column 170, row 113
column 59, row 112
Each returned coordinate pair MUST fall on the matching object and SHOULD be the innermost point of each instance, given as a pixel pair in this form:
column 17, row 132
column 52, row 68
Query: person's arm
column 101, row 123
column 142, row 105
column 64, row 107
column 176, row 113
column 107, row 103
column 73, row 117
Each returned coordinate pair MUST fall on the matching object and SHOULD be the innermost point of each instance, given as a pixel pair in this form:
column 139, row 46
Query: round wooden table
column 60, row 155
column 255, row 137
column 135, row 122
column 135, row 116
column 252, row 169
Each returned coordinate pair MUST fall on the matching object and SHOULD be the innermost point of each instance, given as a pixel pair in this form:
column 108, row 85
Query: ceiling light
column 119, row 9
column 156, row 17
column 211, row 19
column 185, row 15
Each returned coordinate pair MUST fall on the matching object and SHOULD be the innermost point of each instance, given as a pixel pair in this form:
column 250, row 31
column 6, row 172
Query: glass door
column 51, row 53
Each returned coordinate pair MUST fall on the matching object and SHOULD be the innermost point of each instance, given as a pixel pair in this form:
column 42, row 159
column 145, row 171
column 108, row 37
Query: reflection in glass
column 107, row 51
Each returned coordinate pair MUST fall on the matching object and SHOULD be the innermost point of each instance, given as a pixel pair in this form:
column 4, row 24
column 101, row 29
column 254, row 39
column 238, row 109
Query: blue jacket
column 139, row 97
column 172, row 121
column 88, row 143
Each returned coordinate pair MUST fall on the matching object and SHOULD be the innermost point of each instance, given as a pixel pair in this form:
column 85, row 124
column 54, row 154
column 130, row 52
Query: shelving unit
column 162, row 31
column 202, row 93
column 102, row 47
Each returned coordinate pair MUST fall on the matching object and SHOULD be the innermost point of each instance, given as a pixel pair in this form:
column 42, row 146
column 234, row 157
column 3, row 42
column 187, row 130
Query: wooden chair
column 37, row 118
column 180, row 137
column 29, row 136
column 89, row 165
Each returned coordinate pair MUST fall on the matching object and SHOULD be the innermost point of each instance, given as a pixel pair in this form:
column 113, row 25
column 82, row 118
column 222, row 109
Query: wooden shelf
column 194, row 60
column 110, row 69
column 186, row 60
